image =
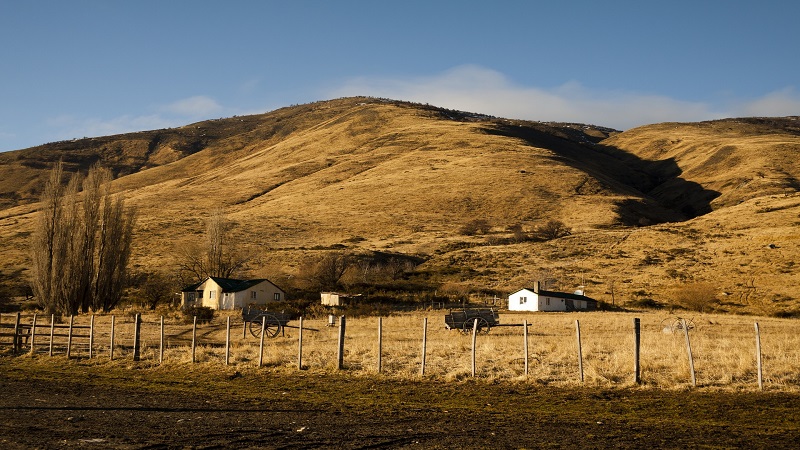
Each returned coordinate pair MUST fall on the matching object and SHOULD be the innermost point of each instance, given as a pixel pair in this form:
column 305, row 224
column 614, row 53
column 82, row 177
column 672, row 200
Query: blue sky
column 89, row 68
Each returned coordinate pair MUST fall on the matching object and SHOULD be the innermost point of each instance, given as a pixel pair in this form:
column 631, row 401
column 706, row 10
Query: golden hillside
column 365, row 174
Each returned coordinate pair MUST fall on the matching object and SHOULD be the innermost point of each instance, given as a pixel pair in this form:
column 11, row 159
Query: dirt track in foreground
column 64, row 404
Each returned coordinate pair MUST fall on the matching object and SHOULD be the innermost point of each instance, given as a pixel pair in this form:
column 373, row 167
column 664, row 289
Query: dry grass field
column 658, row 215
column 723, row 348
column 50, row 402
column 651, row 209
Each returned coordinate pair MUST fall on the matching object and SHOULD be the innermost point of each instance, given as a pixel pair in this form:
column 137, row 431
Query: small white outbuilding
column 536, row 299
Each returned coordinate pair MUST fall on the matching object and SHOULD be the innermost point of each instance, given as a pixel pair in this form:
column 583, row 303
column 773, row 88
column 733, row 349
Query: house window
column 523, row 300
column 277, row 296
column 253, row 295
column 212, row 295
column 547, row 302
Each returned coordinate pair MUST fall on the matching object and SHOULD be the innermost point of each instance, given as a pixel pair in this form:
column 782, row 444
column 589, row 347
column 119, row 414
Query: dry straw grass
column 408, row 178
column 723, row 349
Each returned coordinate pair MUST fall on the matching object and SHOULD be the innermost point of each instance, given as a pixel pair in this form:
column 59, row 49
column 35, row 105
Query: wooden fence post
column 380, row 343
column 91, row 336
column 111, row 345
column 161, row 341
column 261, row 345
column 137, row 328
column 525, row 344
column 474, row 340
column 15, row 344
column 194, row 337
column 689, row 352
column 69, row 335
column 228, row 341
column 637, row 330
column 580, row 348
column 33, row 334
column 340, row 353
column 424, row 344
column 300, row 345
column 52, row 332
column 758, row 358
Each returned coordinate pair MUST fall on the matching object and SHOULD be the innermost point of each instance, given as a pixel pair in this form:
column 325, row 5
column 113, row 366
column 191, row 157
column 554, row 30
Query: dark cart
column 464, row 319
column 273, row 322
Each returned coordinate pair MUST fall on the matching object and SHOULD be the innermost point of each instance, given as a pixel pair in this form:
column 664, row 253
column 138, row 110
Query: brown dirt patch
column 59, row 403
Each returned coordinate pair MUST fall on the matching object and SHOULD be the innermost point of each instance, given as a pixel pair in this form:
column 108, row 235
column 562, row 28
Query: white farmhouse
column 536, row 299
column 227, row 293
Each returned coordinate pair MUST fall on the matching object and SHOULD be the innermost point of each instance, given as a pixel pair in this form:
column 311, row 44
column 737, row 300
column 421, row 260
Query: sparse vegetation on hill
column 463, row 194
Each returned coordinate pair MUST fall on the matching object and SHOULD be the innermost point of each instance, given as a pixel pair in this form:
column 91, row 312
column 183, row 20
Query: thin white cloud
column 249, row 86
column 67, row 127
column 178, row 113
column 197, row 106
column 478, row 89
column 785, row 102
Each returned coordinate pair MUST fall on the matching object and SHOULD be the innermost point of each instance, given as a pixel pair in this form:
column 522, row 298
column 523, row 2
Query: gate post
column 637, row 333
column 137, row 328
column 16, row 340
column 340, row 358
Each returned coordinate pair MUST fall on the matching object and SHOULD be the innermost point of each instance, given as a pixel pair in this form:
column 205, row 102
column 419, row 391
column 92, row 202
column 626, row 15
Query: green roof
column 228, row 284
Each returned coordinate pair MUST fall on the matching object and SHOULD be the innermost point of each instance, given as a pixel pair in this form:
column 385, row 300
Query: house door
column 227, row 301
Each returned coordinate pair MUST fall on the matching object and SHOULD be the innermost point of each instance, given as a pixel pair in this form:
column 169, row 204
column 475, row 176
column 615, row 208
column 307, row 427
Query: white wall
column 536, row 302
column 531, row 301
column 211, row 294
column 552, row 304
column 264, row 293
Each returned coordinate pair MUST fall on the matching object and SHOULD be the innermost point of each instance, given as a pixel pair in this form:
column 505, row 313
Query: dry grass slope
column 368, row 174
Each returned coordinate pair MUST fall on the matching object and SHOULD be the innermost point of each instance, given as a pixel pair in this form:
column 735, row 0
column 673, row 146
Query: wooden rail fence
column 41, row 334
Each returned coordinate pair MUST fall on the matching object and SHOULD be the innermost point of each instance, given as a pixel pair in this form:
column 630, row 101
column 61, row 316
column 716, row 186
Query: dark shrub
column 204, row 314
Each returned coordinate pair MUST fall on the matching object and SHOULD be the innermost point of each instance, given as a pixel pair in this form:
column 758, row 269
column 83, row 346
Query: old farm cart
column 464, row 319
column 273, row 323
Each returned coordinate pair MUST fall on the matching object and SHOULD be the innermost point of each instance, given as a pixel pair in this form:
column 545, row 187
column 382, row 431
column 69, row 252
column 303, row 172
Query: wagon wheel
column 483, row 325
column 675, row 324
column 272, row 327
column 679, row 323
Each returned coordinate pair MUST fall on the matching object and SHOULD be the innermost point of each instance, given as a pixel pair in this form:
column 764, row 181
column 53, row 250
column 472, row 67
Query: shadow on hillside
column 666, row 197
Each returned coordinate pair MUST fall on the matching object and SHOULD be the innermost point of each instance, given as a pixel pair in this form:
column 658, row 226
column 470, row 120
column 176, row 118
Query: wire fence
column 561, row 349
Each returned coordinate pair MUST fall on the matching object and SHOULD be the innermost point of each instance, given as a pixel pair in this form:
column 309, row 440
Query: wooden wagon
column 273, row 323
column 464, row 319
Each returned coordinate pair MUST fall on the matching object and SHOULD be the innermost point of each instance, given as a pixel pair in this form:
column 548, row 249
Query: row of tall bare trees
column 81, row 244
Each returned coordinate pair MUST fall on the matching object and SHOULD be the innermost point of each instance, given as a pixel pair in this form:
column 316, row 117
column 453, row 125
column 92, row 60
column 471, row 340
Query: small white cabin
column 337, row 299
column 228, row 293
column 536, row 299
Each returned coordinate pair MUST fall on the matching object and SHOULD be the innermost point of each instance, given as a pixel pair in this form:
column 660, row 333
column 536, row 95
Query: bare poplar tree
column 77, row 244
column 95, row 187
column 216, row 236
column 218, row 256
column 113, row 252
column 47, row 245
